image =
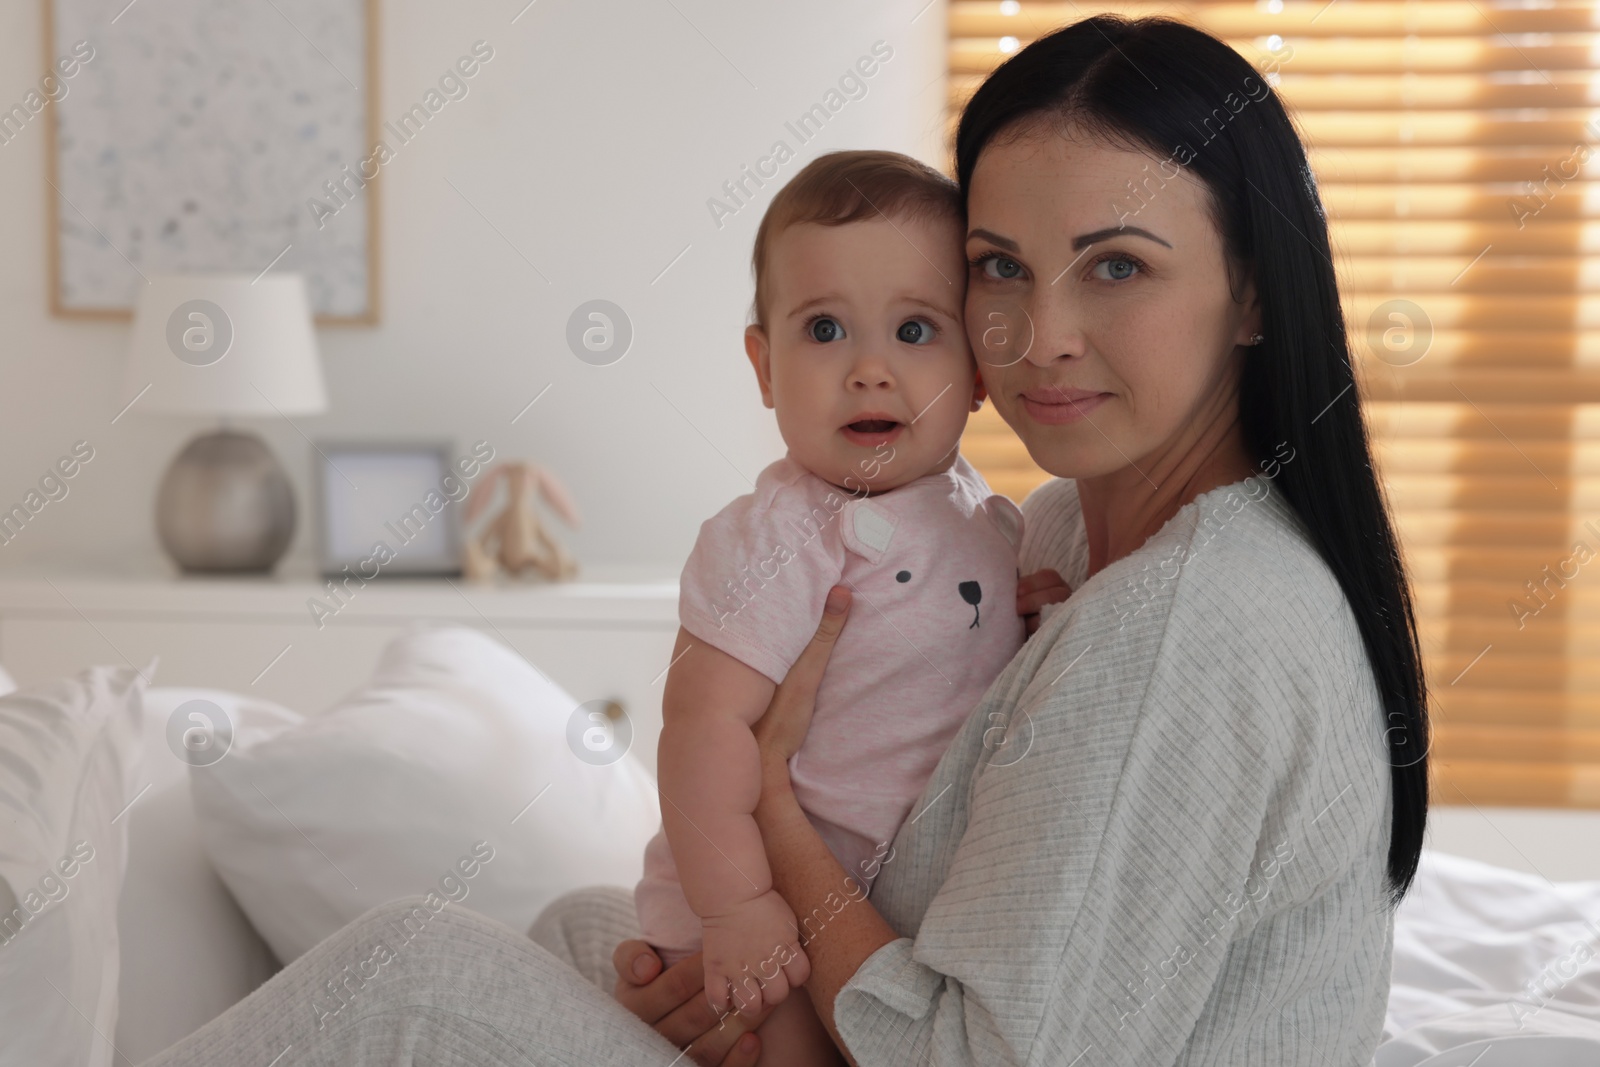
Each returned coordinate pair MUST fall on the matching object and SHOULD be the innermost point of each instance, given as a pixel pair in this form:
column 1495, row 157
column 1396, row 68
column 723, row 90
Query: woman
column 1174, row 829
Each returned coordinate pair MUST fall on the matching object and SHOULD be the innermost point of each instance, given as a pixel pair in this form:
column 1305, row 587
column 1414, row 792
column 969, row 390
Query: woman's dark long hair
column 1157, row 84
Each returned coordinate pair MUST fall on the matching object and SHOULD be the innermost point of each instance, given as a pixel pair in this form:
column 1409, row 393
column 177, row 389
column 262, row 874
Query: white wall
column 592, row 141
column 1563, row 846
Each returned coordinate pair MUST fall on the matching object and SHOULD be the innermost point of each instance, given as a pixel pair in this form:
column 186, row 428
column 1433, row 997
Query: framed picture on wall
column 388, row 508
column 197, row 135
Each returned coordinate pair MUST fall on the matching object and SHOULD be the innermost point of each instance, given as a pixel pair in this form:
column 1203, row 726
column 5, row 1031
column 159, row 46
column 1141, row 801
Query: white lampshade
column 224, row 344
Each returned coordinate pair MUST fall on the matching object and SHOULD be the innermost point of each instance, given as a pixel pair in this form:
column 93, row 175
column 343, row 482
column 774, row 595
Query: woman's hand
column 673, row 1001
column 675, row 1005
column 1036, row 590
column 784, row 725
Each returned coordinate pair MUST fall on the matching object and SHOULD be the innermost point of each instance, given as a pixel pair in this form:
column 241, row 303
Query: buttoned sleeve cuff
column 885, row 1012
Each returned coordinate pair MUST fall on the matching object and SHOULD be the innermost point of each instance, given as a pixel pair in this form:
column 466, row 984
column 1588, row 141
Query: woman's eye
column 1001, row 267
column 825, row 329
column 914, row 332
column 1115, row 269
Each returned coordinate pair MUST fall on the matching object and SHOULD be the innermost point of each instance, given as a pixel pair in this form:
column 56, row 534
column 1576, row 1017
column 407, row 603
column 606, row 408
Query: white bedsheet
column 1494, row 967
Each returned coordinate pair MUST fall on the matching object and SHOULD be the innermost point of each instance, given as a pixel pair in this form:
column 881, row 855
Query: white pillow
column 188, row 952
column 423, row 781
column 7, row 683
column 69, row 760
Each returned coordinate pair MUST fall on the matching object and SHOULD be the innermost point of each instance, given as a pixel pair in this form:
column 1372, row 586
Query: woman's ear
column 760, row 353
column 1250, row 319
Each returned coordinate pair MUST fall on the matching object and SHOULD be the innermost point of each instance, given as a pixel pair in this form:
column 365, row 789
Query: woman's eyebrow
column 1079, row 242
column 988, row 235
column 1083, row 240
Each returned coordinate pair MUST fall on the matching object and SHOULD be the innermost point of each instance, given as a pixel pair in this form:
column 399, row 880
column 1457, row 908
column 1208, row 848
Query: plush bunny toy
column 515, row 539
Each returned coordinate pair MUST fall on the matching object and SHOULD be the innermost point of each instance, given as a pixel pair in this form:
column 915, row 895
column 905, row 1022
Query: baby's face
column 864, row 355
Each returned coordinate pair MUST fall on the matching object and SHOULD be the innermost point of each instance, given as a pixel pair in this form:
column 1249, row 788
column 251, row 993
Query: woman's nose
column 1038, row 326
column 1054, row 330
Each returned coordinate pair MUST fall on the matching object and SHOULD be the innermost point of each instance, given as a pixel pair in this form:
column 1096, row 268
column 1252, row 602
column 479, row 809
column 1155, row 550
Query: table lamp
column 225, row 345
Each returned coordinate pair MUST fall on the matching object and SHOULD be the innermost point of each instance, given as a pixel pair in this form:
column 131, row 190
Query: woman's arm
column 839, row 928
column 803, row 870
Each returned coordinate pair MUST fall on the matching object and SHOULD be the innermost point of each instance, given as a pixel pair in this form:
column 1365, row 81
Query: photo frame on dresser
column 388, row 508
column 268, row 165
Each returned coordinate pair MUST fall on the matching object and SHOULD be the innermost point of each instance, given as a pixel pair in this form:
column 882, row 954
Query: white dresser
column 607, row 635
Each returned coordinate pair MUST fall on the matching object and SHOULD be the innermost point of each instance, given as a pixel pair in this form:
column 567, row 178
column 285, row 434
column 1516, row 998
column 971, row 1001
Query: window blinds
column 1452, row 141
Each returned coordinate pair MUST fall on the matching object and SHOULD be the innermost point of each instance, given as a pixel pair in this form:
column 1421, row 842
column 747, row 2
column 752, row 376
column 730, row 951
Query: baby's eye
column 915, row 332
column 825, row 329
column 1115, row 269
column 1001, row 267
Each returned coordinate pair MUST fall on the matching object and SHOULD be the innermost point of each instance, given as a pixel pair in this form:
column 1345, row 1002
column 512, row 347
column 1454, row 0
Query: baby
column 859, row 347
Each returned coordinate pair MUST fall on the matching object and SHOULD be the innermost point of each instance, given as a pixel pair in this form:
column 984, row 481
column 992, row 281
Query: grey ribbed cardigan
column 1161, row 838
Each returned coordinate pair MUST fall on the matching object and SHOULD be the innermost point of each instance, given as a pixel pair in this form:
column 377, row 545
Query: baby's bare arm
column 710, row 775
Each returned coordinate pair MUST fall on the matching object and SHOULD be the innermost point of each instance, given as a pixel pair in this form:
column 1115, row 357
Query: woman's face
column 1098, row 303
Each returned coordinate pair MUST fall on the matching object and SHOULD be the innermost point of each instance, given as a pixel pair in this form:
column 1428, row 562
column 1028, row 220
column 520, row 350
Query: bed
column 209, row 876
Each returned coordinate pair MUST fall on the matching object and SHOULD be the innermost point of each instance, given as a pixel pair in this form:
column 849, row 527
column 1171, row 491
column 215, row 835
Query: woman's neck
column 1122, row 509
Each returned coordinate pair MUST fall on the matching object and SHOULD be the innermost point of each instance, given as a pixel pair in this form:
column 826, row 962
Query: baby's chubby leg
column 793, row 1036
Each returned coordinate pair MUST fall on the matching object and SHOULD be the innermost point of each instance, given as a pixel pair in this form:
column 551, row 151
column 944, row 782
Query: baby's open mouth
column 873, row 425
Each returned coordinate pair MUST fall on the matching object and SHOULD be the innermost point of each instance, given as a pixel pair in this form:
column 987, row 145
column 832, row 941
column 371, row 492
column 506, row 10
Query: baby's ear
column 980, row 392
column 760, row 353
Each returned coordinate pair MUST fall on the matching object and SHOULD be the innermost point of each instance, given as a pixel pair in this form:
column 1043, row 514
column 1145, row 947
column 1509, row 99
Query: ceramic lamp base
column 225, row 505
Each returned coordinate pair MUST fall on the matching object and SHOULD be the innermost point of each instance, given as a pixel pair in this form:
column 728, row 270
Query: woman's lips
column 1056, row 407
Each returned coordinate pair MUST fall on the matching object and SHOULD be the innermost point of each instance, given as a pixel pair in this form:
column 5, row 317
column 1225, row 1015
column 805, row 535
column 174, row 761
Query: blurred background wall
column 586, row 151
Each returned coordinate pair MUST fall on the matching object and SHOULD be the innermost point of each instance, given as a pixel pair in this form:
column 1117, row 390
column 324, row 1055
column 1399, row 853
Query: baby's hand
column 755, row 947
column 1036, row 590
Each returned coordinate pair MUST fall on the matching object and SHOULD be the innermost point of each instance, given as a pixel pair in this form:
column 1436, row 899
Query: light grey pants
column 404, row 985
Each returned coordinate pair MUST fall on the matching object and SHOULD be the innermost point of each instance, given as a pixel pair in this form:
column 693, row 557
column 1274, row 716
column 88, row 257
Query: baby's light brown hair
column 852, row 186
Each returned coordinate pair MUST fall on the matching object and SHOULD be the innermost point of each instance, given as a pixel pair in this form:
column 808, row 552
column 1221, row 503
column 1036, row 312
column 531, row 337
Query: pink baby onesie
column 932, row 566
